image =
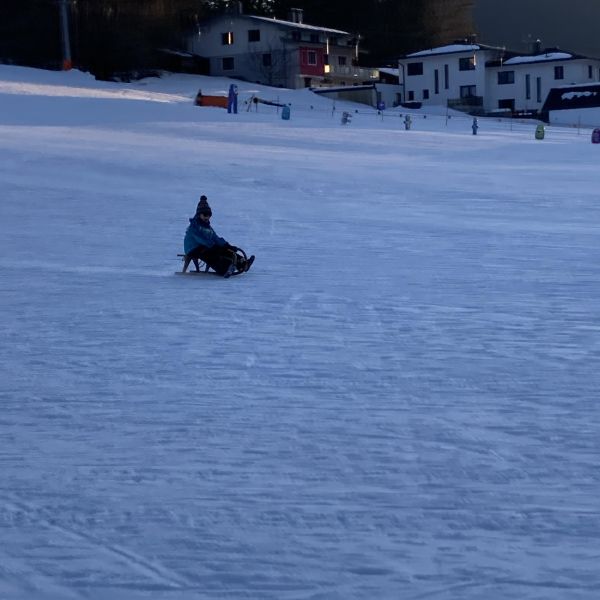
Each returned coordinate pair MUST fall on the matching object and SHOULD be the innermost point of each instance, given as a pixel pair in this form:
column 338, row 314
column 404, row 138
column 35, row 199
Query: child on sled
column 201, row 243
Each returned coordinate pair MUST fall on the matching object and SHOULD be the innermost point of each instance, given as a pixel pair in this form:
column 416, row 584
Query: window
column 425, row 94
column 506, row 77
column 436, row 82
column 446, row 77
column 311, row 57
column 296, row 36
column 411, row 96
column 414, row 69
column 559, row 72
column 228, row 63
column 266, row 60
column 507, row 103
column 528, row 87
column 466, row 64
column 314, row 38
column 254, row 35
column 590, row 72
column 227, row 38
column 538, row 88
column 341, row 61
column 468, row 91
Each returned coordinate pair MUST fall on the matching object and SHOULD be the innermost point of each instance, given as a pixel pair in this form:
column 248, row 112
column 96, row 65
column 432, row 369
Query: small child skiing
column 201, row 242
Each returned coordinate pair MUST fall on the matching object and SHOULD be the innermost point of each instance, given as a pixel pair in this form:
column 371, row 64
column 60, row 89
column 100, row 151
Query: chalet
column 275, row 52
column 483, row 79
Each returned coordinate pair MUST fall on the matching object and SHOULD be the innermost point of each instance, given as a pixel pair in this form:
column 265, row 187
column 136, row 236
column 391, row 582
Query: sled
column 207, row 274
column 240, row 261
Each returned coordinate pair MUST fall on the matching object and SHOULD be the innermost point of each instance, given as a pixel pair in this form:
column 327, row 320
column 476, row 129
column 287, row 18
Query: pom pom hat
column 203, row 207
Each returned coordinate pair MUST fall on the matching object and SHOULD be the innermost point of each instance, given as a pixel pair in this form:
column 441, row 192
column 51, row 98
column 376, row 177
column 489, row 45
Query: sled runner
column 240, row 263
column 208, row 274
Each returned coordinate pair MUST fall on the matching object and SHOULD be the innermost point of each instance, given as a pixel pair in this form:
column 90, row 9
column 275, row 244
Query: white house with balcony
column 453, row 75
column 483, row 79
column 275, row 52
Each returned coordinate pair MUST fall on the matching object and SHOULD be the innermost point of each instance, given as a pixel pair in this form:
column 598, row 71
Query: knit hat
column 203, row 207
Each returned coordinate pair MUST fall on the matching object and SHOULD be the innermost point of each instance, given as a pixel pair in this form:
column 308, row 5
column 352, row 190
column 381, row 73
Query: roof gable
column 450, row 49
column 549, row 56
column 293, row 25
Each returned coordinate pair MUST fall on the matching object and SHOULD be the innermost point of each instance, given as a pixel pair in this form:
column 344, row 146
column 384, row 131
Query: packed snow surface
column 399, row 401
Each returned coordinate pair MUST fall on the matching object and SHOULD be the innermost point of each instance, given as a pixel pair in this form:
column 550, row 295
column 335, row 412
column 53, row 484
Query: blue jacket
column 201, row 234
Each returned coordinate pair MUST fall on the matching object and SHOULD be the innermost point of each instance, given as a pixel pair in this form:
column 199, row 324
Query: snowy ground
column 399, row 400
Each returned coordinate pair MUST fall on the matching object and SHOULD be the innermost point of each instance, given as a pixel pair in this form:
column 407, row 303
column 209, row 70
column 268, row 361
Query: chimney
column 537, row 47
column 295, row 15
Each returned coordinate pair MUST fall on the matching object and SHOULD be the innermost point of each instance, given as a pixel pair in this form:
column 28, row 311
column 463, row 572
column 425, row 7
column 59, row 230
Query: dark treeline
column 107, row 36
column 29, row 32
column 111, row 37
column 122, row 36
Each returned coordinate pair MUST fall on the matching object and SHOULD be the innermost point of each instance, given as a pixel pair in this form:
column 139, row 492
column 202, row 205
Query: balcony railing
column 468, row 104
column 358, row 73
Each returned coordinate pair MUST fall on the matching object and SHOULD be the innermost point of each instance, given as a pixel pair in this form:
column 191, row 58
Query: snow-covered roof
column 576, row 94
column 451, row 49
column 295, row 25
column 594, row 84
column 390, row 71
column 176, row 52
column 573, row 97
column 549, row 56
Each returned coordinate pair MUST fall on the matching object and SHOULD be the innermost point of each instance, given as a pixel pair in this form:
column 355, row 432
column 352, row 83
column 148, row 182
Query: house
column 483, row 79
column 453, row 76
column 275, row 52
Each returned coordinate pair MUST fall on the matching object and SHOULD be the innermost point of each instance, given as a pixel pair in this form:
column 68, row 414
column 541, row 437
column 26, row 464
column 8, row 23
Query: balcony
column 346, row 72
column 472, row 105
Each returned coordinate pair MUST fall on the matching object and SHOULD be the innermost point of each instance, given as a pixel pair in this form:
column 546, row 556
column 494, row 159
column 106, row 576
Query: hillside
column 399, row 400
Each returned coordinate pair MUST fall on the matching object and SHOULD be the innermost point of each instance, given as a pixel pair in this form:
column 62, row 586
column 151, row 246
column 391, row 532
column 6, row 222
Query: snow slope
column 399, row 400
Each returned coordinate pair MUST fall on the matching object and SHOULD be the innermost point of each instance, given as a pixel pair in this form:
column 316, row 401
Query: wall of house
column 388, row 93
column 312, row 61
column 585, row 117
column 247, row 57
column 445, row 91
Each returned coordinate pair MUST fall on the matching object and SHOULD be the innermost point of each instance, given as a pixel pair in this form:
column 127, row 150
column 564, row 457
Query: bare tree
column 271, row 63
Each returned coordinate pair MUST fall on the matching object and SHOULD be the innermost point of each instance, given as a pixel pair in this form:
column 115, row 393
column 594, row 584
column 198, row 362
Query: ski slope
column 398, row 401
